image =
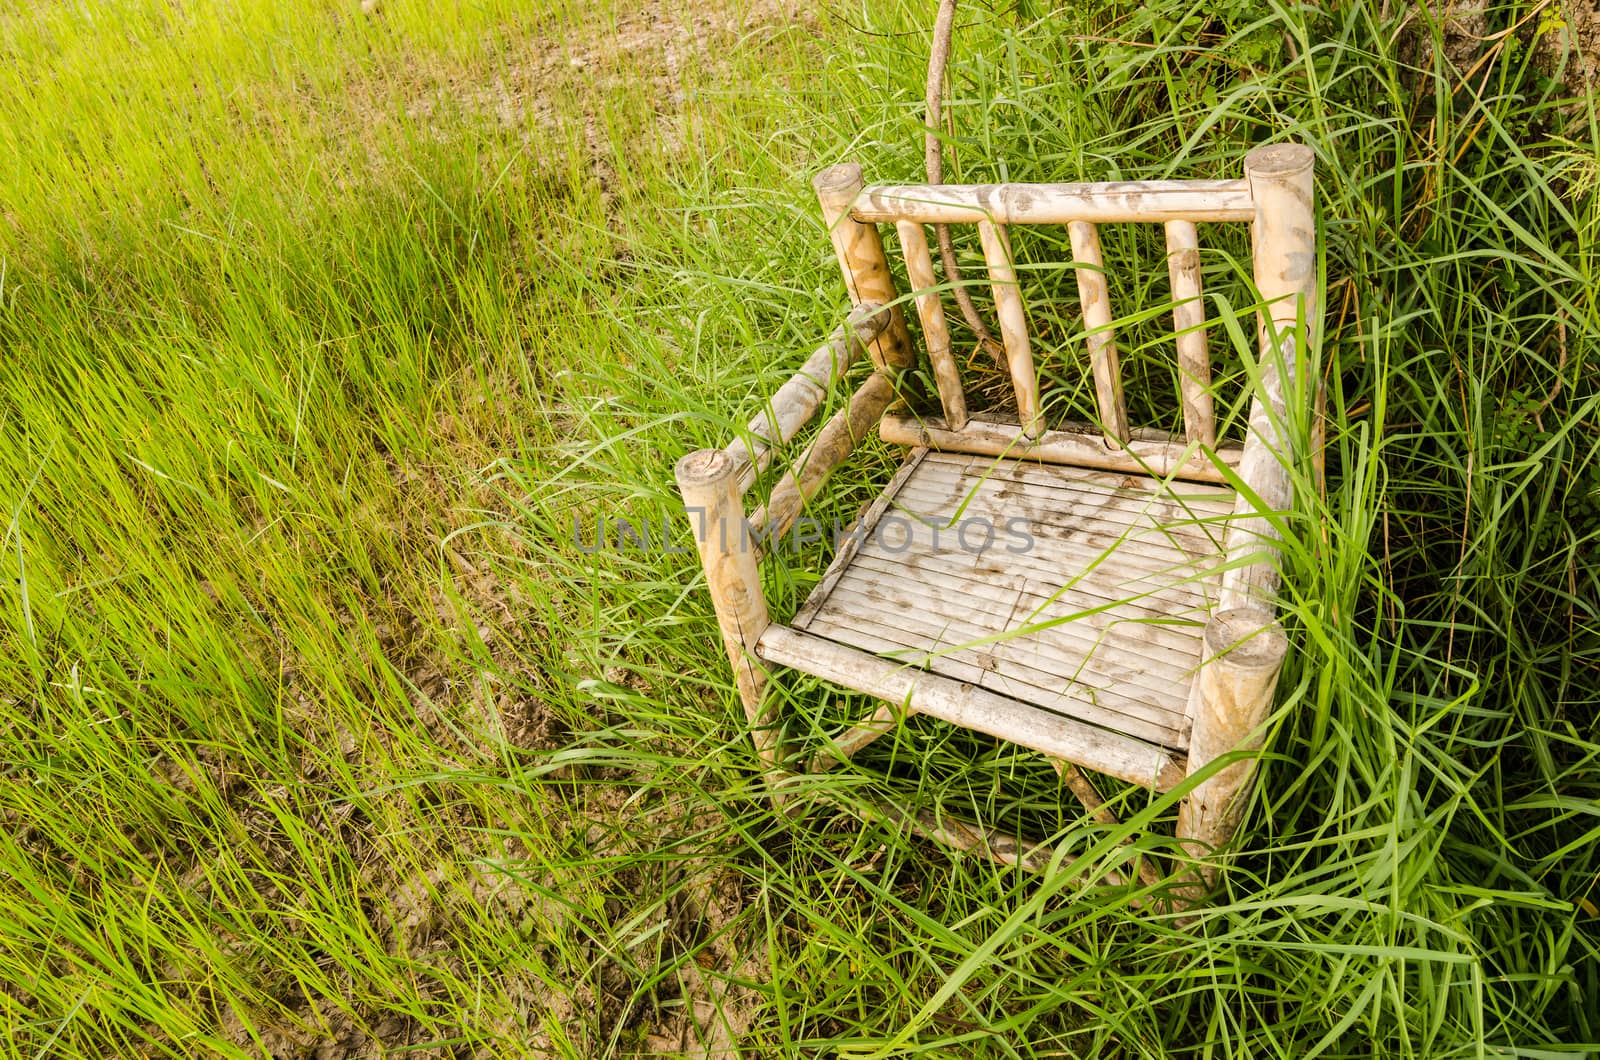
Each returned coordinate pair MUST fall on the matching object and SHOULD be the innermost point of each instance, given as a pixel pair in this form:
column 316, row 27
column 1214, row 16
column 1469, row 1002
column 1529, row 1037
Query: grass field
column 326, row 340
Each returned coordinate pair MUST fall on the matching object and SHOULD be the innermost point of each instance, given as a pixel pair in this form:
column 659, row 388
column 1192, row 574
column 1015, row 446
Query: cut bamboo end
column 1246, row 642
column 703, row 468
column 1278, row 161
column 866, row 321
column 837, row 186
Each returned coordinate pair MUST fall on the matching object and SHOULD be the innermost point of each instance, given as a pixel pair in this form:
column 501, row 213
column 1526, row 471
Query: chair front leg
column 708, row 479
column 1243, row 653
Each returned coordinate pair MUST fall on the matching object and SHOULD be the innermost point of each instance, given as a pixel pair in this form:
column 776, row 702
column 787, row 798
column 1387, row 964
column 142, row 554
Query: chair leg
column 1244, row 650
column 709, row 482
column 1078, row 784
column 885, row 718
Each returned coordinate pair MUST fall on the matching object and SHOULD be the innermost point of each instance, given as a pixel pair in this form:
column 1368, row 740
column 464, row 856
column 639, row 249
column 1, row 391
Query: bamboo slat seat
column 1079, row 592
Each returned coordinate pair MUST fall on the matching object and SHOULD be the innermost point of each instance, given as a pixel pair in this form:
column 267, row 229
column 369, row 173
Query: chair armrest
column 794, row 403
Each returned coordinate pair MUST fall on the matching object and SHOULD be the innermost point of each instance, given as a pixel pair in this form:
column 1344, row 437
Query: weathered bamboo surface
column 999, row 847
column 1244, row 650
column 1013, row 326
column 935, row 330
column 859, row 249
column 973, row 707
column 1188, row 324
column 794, row 403
column 864, row 526
column 1146, row 453
column 1102, row 203
column 707, row 479
column 1095, row 296
column 1082, row 593
column 1284, row 241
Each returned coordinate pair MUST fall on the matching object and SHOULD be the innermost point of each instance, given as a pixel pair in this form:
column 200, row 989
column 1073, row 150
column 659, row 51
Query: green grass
column 318, row 332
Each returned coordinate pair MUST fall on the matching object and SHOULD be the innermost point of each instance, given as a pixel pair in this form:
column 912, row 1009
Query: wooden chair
column 1135, row 634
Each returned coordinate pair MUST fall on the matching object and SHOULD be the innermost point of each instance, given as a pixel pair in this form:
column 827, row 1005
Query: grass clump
column 329, row 341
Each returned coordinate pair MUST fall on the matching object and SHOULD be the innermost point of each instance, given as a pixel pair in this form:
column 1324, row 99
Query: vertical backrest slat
column 1188, row 322
column 1096, row 300
column 935, row 331
column 1013, row 327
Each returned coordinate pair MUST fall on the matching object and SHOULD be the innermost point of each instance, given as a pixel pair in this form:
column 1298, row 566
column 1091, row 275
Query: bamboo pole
column 972, row 707
column 1244, row 650
column 794, row 403
column 935, row 331
column 1095, row 297
column 1188, row 322
column 836, row 440
column 1014, row 204
column 1078, row 784
column 933, row 156
column 886, row 717
column 859, row 249
column 708, row 481
column 1002, row 848
column 1013, row 327
column 1082, row 447
column 1284, row 238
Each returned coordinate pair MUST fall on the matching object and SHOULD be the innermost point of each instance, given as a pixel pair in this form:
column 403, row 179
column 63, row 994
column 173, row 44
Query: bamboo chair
column 1136, row 637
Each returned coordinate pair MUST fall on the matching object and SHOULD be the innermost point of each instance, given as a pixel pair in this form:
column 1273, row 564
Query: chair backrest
column 1274, row 196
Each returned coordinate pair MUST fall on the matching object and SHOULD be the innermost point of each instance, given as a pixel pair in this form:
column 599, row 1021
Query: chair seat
column 1076, row 592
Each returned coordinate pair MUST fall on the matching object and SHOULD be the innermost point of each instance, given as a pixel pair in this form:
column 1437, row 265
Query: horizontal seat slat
column 1198, row 518
column 1019, row 606
column 1077, row 548
column 971, row 707
column 1094, row 609
column 1087, row 697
